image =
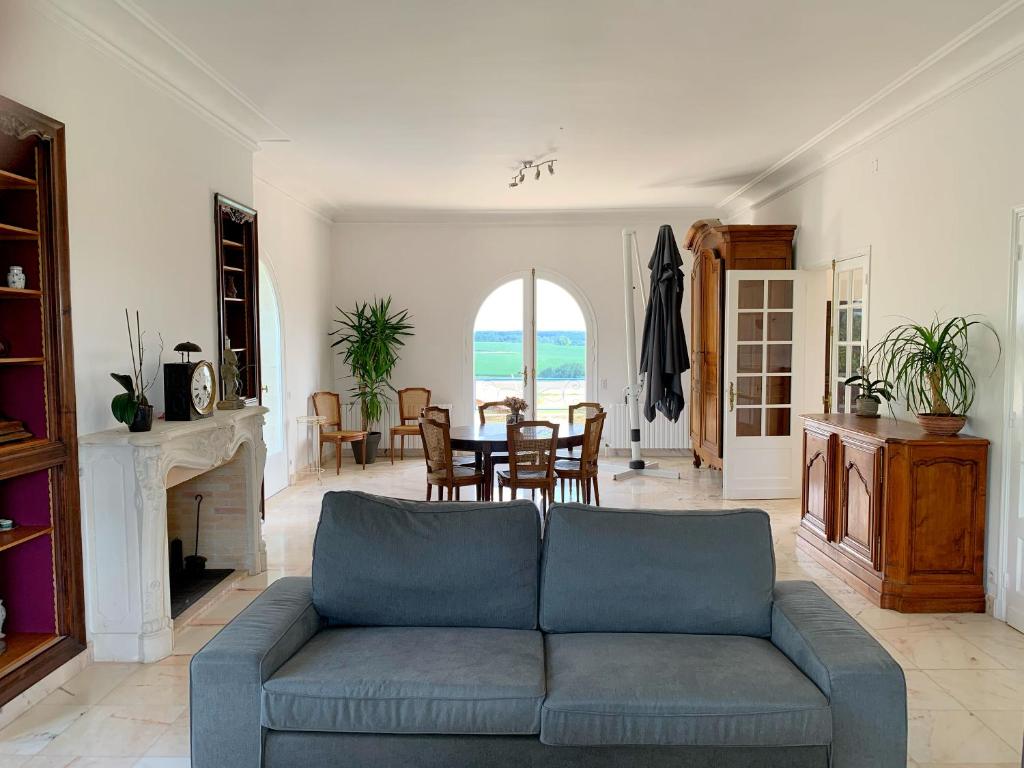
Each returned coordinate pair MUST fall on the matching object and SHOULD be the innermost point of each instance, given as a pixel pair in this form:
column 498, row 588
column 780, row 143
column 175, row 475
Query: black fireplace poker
column 195, row 563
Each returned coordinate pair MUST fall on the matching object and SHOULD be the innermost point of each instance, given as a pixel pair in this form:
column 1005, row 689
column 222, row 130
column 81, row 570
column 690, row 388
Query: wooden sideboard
column 897, row 513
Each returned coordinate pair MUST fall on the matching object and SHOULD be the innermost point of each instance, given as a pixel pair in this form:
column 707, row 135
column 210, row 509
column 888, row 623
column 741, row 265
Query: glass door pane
column 849, row 333
column 498, row 359
column 561, row 352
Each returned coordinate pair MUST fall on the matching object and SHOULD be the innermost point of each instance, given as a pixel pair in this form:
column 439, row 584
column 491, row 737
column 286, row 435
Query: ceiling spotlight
column 519, row 176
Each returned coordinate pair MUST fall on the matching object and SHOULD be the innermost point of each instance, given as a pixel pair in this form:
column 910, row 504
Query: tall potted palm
column 369, row 338
column 927, row 365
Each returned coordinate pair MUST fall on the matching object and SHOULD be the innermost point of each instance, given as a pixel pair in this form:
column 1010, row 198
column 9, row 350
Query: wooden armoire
column 717, row 248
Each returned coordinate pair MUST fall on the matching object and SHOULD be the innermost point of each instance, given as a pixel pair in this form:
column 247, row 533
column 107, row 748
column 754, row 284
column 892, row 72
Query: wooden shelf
column 23, row 646
column 232, row 243
column 22, row 360
column 9, row 180
column 232, row 298
column 233, row 269
column 19, row 293
column 21, row 534
column 11, row 232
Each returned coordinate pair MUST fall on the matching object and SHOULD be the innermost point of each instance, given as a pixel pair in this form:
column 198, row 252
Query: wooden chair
column 495, row 459
column 441, row 468
column 582, row 472
column 531, row 460
column 497, row 406
column 582, row 410
column 411, row 402
column 328, row 405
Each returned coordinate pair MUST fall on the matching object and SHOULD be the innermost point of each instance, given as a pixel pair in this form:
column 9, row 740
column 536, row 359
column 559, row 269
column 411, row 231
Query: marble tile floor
column 965, row 673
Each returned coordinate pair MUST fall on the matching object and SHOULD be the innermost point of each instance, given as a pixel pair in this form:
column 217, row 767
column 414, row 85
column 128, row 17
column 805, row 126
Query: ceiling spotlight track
column 529, row 165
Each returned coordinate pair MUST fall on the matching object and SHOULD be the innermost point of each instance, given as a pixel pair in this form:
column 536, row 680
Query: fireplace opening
column 206, row 530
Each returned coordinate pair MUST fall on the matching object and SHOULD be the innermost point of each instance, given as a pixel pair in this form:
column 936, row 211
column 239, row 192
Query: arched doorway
column 533, row 337
column 275, row 476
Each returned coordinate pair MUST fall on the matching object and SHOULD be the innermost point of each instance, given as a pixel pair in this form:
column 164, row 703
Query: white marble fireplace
column 125, row 478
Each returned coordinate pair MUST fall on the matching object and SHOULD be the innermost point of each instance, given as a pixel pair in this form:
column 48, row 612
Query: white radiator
column 661, row 434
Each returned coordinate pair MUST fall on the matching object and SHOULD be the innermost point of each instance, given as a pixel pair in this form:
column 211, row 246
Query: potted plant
column 370, row 338
column 517, row 406
column 131, row 407
column 927, row 365
column 872, row 392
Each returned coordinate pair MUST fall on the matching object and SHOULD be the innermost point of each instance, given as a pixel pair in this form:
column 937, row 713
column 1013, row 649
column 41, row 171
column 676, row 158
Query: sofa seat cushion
column 410, row 680
column 695, row 690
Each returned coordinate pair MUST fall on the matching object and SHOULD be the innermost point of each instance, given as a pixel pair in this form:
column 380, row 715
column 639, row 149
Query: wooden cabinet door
column 711, row 353
column 696, row 336
column 817, row 496
column 858, row 517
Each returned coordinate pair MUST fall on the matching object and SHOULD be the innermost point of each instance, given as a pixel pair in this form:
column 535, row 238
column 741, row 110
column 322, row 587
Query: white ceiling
column 428, row 104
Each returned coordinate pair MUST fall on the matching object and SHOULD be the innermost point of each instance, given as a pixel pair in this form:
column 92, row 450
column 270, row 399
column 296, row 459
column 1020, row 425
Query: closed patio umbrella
column 663, row 354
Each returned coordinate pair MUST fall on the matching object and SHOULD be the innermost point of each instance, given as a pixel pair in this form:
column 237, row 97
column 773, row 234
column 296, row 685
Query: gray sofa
column 440, row 634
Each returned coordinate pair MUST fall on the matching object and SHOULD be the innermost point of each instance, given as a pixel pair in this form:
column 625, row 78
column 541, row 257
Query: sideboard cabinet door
column 816, row 511
column 859, row 519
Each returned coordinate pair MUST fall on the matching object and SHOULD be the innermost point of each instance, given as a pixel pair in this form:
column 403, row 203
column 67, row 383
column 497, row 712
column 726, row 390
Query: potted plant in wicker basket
column 370, row 337
column 927, row 365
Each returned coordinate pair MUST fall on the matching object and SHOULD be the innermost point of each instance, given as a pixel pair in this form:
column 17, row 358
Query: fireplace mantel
column 124, row 482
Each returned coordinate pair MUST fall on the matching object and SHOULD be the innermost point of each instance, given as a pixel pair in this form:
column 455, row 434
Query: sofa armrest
column 864, row 685
column 227, row 675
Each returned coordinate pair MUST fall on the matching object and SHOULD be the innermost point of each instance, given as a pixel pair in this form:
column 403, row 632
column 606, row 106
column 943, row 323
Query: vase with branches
column 927, row 365
column 131, row 406
column 370, row 337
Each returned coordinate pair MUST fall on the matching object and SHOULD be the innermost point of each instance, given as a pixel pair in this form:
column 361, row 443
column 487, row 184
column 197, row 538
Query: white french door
column 1014, row 497
column 531, row 340
column 763, row 352
column 850, row 283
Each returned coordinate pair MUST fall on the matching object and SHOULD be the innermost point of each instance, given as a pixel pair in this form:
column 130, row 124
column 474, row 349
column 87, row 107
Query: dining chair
column 441, row 468
column 327, row 405
column 498, row 408
column 531, row 460
column 582, row 472
column 411, row 401
column 582, row 410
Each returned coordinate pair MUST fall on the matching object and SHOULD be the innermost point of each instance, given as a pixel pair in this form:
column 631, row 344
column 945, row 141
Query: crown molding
column 126, row 33
column 617, row 217
column 318, row 213
column 991, row 45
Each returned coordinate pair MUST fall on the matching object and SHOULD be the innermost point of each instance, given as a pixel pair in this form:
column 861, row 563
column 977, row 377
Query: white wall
column 442, row 272
column 142, row 171
column 295, row 243
column 933, row 200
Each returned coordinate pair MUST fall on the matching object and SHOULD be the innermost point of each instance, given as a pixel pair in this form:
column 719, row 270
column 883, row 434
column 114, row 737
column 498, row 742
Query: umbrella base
column 649, row 469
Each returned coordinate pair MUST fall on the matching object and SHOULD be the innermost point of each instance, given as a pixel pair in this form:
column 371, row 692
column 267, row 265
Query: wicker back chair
column 586, row 410
column 328, row 406
column 497, row 408
column 582, row 472
column 411, row 402
column 441, row 468
column 531, row 459
column 437, row 413
column 582, row 411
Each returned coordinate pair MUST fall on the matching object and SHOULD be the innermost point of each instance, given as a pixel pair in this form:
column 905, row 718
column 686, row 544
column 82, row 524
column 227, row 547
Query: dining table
column 483, row 440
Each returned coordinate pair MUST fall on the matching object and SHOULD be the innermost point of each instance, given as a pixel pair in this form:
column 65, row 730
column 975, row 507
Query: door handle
column 265, row 387
column 732, row 397
column 526, row 373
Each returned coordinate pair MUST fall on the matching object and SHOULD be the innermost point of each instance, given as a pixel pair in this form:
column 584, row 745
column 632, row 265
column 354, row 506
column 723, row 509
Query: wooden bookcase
column 238, row 291
column 41, row 558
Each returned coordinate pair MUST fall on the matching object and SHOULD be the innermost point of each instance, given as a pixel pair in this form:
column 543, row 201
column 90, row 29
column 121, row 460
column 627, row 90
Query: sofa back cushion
column 388, row 562
column 615, row 570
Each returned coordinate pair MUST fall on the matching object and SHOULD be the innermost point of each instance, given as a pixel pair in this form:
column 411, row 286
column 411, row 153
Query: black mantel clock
column 189, row 388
